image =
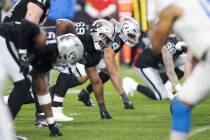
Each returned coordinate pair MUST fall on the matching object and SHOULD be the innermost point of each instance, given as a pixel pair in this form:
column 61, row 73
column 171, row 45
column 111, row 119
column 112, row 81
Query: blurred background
column 89, row 10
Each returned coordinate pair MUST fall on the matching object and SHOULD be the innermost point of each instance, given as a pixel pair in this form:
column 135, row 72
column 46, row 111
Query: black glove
column 105, row 115
column 128, row 105
column 24, row 63
column 54, row 130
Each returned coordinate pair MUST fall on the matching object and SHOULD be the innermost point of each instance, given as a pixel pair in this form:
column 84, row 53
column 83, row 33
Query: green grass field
column 149, row 121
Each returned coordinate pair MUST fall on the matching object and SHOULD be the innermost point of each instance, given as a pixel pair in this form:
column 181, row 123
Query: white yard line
column 199, row 130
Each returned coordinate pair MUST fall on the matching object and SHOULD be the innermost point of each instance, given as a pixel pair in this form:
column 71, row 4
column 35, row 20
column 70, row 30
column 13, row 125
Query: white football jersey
column 194, row 25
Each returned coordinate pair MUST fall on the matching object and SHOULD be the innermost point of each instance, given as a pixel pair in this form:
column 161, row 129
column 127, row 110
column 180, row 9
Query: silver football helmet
column 103, row 34
column 70, row 50
column 130, row 31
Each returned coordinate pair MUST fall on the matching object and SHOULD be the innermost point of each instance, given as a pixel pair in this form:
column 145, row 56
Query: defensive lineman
column 180, row 16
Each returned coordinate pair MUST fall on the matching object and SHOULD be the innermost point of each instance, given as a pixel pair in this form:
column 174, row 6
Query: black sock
column 17, row 96
column 102, row 107
column 57, row 104
column 146, row 91
column 104, row 78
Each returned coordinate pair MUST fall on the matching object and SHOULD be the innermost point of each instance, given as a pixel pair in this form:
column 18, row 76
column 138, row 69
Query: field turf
column 149, row 121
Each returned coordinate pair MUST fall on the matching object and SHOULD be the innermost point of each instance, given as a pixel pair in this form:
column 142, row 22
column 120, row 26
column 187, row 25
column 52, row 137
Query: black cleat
column 85, row 98
column 128, row 105
column 105, row 115
column 54, row 130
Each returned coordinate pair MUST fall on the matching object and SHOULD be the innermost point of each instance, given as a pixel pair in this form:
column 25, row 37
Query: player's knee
column 181, row 114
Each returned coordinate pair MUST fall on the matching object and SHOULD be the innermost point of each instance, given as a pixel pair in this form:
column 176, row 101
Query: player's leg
column 84, row 95
column 21, row 83
column 6, row 127
column 195, row 89
column 63, row 83
column 153, row 80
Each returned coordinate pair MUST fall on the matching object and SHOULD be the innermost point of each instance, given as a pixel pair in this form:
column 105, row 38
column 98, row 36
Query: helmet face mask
column 130, row 31
column 103, row 34
column 70, row 50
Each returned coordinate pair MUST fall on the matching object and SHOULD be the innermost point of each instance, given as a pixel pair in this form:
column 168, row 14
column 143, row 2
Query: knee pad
column 181, row 115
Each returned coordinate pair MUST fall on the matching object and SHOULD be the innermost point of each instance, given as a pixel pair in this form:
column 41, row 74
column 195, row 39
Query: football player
column 179, row 16
column 43, row 51
column 128, row 32
column 35, row 11
column 157, row 69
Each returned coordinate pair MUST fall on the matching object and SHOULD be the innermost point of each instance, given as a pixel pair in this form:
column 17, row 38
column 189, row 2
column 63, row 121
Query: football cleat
column 41, row 121
column 105, row 115
column 59, row 116
column 85, row 98
column 5, row 99
column 128, row 105
column 129, row 85
column 54, row 130
column 18, row 137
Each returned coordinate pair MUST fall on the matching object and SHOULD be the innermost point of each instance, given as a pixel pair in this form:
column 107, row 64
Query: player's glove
column 105, row 115
column 24, row 63
column 128, row 105
column 54, row 130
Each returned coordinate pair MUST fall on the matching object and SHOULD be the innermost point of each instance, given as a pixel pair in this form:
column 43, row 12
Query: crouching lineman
column 35, row 11
column 180, row 16
column 160, row 71
column 24, row 40
column 128, row 32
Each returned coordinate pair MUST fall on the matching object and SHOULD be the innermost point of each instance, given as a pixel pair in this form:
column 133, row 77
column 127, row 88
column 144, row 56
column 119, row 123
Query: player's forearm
column 117, row 83
column 169, row 66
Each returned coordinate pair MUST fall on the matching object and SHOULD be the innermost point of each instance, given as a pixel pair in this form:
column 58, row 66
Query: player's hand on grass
column 128, row 105
column 54, row 130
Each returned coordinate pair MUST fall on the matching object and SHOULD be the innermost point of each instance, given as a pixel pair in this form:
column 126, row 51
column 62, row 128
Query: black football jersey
column 43, row 59
column 91, row 56
column 117, row 44
column 19, row 10
column 148, row 58
column 22, row 33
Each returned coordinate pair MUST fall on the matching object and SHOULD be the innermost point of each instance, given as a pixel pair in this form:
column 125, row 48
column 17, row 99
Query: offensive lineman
column 35, row 11
column 43, row 51
column 179, row 16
